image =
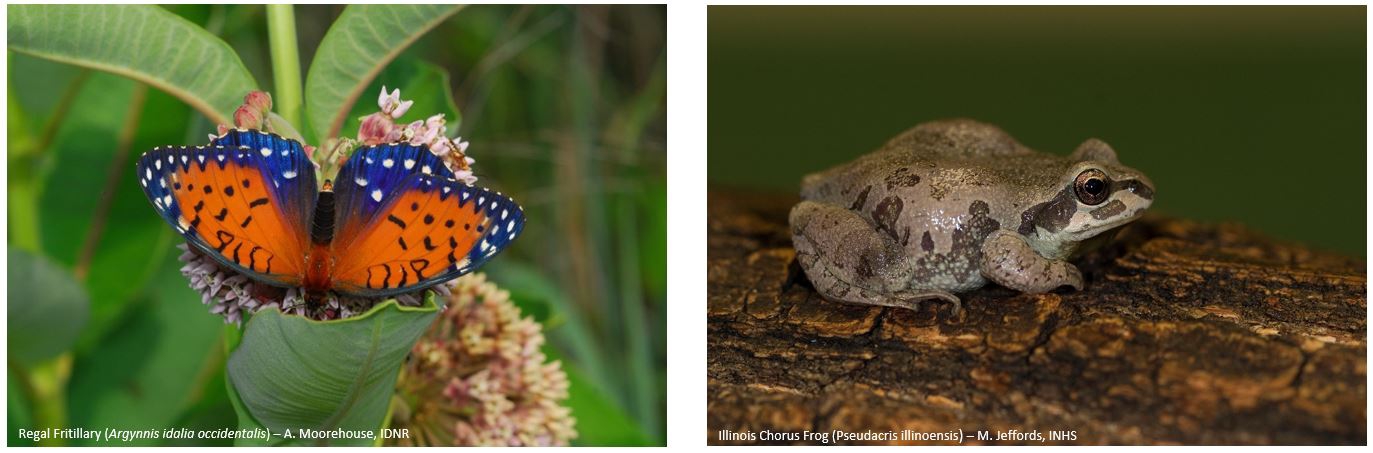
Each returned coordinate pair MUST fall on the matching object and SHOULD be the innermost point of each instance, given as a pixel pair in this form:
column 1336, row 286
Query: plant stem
column 281, row 34
column 123, row 143
column 45, row 386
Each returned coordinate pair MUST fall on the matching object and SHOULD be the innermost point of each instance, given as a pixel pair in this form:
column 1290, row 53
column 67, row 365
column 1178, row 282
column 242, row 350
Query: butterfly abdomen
column 319, row 266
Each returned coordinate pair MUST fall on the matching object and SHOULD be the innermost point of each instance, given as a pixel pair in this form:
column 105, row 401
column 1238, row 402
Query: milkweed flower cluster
column 381, row 127
column 478, row 377
column 231, row 294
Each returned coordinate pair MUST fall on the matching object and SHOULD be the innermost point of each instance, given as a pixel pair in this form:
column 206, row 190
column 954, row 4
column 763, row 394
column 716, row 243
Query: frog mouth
column 1111, row 218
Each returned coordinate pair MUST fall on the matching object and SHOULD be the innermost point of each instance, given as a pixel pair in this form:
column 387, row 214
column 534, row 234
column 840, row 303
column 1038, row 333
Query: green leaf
column 293, row 373
column 133, row 241
column 426, row 84
column 354, row 51
column 142, row 42
column 246, row 422
column 153, row 366
column 47, row 308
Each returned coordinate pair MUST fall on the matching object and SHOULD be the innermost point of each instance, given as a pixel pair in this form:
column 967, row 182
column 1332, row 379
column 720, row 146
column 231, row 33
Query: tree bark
column 1186, row 333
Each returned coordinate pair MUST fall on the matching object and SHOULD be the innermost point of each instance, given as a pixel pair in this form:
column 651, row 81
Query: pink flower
column 391, row 104
column 478, row 377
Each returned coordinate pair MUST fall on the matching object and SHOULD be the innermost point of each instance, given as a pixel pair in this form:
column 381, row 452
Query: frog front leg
column 1009, row 261
column 847, row 259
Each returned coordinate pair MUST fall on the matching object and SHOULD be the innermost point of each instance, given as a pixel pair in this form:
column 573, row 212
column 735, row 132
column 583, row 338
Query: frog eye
column 1091, row 186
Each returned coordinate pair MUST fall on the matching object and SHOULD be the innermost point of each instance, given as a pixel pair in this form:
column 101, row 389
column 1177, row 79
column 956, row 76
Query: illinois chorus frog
column 949, row 205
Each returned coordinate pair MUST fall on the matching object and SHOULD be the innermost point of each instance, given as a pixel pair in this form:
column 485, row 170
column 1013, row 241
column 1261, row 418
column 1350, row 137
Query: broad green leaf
column 142, row 42
column 133, row 242
column 47, row 308
column 152, row 366
column 293, row 373
column 354, row 51
column 424, row 83
column 245, row 419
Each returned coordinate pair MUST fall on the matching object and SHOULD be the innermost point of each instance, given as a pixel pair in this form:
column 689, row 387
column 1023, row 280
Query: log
column 1187, row 333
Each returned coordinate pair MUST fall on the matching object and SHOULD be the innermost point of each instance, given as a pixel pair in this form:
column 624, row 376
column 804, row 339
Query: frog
column 949, row 206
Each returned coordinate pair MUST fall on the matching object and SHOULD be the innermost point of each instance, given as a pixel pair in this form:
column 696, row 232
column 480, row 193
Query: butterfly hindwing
column 369, row 176
column 423, row 229
column 236, row 204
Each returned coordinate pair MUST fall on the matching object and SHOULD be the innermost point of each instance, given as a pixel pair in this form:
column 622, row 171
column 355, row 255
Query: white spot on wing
column 409, row 163
column 183, row 158
column 266, row 152
column 369, row 160
column 376, row 195
column 289, row 174
column 426, row 170
column 388, row 163
column 201, row 157
column 510, row 226
column 361, row 182
column 167, row 199
column 221, row 157
column 505, row 213
column 158, row 164
column 148, row 174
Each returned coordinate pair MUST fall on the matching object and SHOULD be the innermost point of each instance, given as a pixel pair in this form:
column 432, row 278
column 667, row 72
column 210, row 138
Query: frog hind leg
column 1009, row 261
column 848, row 260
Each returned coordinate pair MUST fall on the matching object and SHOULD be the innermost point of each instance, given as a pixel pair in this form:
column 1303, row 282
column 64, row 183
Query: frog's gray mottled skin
column 948, row 206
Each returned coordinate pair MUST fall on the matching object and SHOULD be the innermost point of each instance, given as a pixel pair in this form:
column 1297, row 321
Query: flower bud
column 375, row 128
column 259, row 100
column 247, row 118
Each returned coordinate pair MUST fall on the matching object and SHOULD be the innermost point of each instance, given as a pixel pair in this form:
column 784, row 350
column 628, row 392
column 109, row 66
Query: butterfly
column 393, row 221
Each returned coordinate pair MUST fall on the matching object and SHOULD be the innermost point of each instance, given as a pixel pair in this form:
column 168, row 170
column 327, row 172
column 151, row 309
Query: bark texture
column 1186, row 333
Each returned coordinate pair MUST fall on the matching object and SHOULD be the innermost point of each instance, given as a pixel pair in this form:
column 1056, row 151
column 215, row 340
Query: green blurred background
column 565, row 110
column 1248, row 114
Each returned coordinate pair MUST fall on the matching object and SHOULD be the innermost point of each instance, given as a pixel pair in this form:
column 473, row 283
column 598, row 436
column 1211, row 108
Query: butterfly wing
column 402, row 228
column 245, row 201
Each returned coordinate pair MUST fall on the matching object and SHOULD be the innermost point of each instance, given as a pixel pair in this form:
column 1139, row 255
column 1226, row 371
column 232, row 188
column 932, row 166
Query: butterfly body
column 394, row 222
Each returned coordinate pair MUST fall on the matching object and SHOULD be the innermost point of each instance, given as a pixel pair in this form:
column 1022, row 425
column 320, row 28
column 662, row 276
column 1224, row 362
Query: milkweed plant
column 456, row 364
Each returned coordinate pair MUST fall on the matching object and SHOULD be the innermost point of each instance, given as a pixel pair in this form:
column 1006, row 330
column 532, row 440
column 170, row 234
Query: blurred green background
column 565, row 110
column 1248, row 114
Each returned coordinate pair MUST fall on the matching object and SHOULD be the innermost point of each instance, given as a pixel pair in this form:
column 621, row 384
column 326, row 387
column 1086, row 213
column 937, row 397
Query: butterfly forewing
column 241, row 205
column 423, row 229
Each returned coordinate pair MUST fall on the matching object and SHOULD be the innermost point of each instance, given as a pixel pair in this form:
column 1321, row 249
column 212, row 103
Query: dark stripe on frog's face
column 1140, row 189
column 1052, row 215
column 1109, row 210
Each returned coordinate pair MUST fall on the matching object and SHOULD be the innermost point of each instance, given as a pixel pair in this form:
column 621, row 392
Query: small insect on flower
column 395, row 222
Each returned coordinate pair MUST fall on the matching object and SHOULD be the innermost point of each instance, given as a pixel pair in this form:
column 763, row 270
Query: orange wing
column 423, row 228
column 245, row 207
